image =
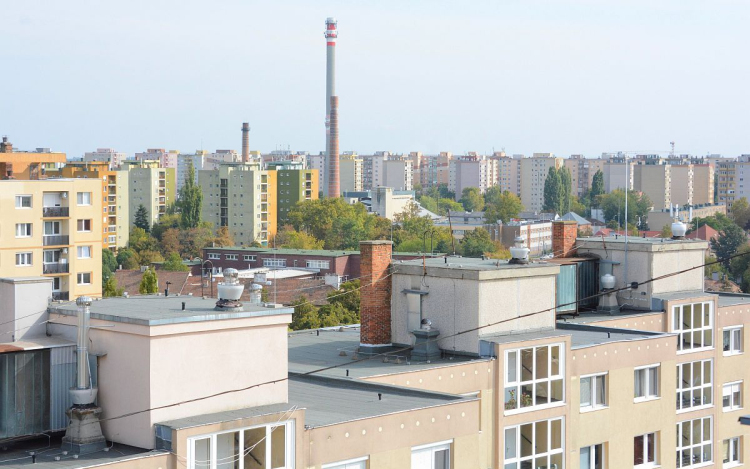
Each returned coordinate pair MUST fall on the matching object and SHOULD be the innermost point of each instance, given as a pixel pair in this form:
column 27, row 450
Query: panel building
column 350, row 172
column 16, row 164
column 149, row 185
column 534, row 172
column 294, row 184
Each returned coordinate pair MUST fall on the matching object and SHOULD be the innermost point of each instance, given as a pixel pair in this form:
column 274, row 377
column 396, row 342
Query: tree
column 472, row 199
column 597, row 186
column 109, row 264
column 193, row 241
column 165, row 222
column 191, row 201
column 348, row 297
column 719, row 222
column 613, row 206
column 170, row 242
column 128, row 259
column 174, row 264
column 305, row 315
column 741, row 212
column 739, row 265
column 477, row 242
column 223, row 237
column 557, row 190
column 111, row 289
column 666, row 231
column 728, row 242
column 501, row 206
column 566, row 186
column 289, row 238
column 141, row 219
column 149, row 282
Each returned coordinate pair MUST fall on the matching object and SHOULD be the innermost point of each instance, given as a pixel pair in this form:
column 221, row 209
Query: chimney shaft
column 245, row 142
column 375, row 309
column 564, row 233
column 331, row 35
column 82, row 345
column 334, row 189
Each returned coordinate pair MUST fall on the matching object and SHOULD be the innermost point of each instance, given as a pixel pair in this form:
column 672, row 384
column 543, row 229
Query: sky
column 562, row 76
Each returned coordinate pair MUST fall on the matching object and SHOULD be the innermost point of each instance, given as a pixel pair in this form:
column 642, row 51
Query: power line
column 393, row 352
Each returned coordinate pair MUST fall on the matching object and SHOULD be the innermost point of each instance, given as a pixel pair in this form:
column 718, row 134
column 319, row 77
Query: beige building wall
column 350, row 173
column 703, row 184
column 655, row 181
column 54, row 202
column 534, row 172
column 683, row 178
column 149, row 185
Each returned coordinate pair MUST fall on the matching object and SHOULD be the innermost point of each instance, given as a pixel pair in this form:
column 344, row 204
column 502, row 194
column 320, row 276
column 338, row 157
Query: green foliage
column 597, row 186
column 719, row 222
column 472, row 200
column 128, row 259
column 501, row 205
column 166, row 222
column 741, row 212
column 223, row 237
column 149, row 283
column 613, row 205
column 439, row 206
column 477, row 242
column 170, row 242
column 289, row 238
column 557, row 190
column 191, row 201
column 717, row 267
column 141, row 219
column 111, row 289
column 348, row 296
column 342, row 308
column 109, row 265
column 193, row 241
column 728, row 242
column 174, row 264
column 305, row 315
column 666, row 231
column 739, row 265
column 579, row 206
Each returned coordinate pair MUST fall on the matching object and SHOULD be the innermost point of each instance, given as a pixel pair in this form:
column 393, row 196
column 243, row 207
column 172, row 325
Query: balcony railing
column 57, row 268
column 56, row 240
column 55, row 212
column 60, row 295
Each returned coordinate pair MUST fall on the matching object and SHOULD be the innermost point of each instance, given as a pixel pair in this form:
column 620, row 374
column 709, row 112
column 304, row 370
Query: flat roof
column 586, row 317
column 619, row 241
column 153, row 310
column 330, row 401
column 310, row 252
column 732, row 299
column 580, row 335
column 682, row 295
column 314, row 349
column 35, row 343
column 474, row 268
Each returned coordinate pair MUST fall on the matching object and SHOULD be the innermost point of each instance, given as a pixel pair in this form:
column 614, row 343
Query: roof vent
column 678, row 230
column 230, row 291
column 519, row 253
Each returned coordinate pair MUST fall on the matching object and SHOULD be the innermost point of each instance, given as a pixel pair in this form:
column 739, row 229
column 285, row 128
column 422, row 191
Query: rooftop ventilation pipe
column 230, row 291
column 678, row 230
column 519, row 253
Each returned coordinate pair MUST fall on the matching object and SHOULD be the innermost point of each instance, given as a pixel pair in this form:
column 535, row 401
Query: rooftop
column 156, row 310
column 474, row 268
column 306, row 252
column 592, row 317
column 314, row 349
column 580, row 335
column 732, row 299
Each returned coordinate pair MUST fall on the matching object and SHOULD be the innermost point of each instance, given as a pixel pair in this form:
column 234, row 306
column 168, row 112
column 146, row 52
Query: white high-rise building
column 114, row 158
column 184, row 161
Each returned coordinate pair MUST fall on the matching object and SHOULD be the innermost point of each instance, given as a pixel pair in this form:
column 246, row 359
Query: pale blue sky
column 582, row 76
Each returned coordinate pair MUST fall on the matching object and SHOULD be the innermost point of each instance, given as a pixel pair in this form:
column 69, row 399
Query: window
column 51, row 228
column 319, row 265
column 23, row 259
column 732, row 343
column 593, row 392
column 271, row 262
column 694, row 442
column 230, row 257
column 435, row 456
column 84, row 225
column 694, row 384
column 537, row 444
column 112, row 239
column 358, row 463
column 647, row 383
column 51, row 256
column 731, row 396
column 23, row 230
column 249, row 258
column 84, row 278
column 592, row 457
column 694, row 323
column 534, row 376
column 644, row 450
column 731, row 452
column 84, row 198
column 84, row 252
column 214, row 255
column 23, row 201
column 268, row 446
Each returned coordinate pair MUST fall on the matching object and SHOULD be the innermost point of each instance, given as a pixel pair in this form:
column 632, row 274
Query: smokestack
column 245, row 142
column 331, row 34
column 375, row 310
column 333, row 155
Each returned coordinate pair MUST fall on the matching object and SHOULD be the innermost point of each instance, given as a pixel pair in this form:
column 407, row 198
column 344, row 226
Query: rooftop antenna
column 671, row 153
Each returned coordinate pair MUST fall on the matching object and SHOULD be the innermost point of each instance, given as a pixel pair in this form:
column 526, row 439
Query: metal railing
column 56, row 240
column 60, row 295
column 57, row 268
column 55, row 212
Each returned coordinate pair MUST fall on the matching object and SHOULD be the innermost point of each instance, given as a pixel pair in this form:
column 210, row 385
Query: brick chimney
column 375, row 303
column 564, row 233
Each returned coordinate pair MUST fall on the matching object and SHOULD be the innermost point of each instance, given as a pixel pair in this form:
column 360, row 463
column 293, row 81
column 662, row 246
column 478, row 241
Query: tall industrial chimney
column 332, row 134
column 245, row 142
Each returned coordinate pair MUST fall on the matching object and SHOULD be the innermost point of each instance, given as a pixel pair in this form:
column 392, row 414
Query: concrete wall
column 23, row 303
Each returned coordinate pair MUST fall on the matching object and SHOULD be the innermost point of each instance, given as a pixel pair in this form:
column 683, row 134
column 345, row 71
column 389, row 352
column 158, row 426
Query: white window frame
column 80, row 249
column 271, row 262
column 516, row 386
column 80, row 278
column 647, row 396
column 692, row 389
column 230, row 257
column 289, row 443
column 26, row 228
column 24, row 259
column 514, row 462
column 732, row 390
column 248, row 258
column 733, row 450
column 214, row 256
column 19, row 201
column 693, row 446
column 735, row 340
column 81, row 198
column 594, row 388
column 318, row 264
column 592, row 451
column 434, row 448
column 81, row 222
column 356, row 463
column 705, row 331
column 646, row 462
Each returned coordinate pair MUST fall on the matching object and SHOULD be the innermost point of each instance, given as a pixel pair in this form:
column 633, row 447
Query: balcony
column 55, row 240
column 60, row 295
column 112, row 229
column 54, row 212
column 56, row 268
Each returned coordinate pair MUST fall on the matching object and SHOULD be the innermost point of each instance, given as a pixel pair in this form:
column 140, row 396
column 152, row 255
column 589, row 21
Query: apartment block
column 472, row 170
column 294, row 184
column 509, row 173
column 166, row 158
column 108, row 155
column 682, row 178
column 54, row 230
column 534, row 171
column 537, row 235
column 350, row 172
column 32, row 165
column 115, row 199
column 397, row 173
column 184, row 161
column 372, row 169
column 703, row 184
column 243, row 198
column 318, row 162
column 219, row 157
column 149, row 185
column 655, row 180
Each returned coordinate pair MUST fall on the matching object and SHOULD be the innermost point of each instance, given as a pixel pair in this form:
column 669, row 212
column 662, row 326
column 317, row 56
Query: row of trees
column 342, row 308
